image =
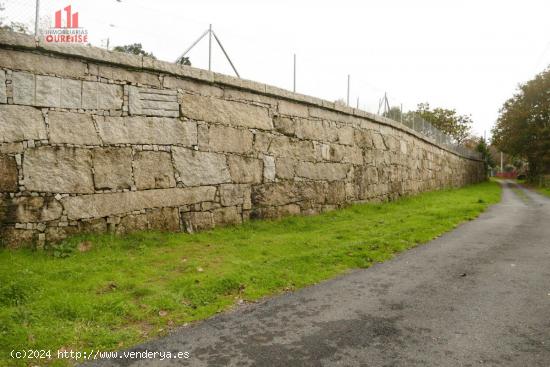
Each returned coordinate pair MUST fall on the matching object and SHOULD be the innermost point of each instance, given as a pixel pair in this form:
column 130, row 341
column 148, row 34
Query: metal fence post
column 225, row 53
column 294, row 79
column 210, row 48
column 347, row 100
column 36, row 18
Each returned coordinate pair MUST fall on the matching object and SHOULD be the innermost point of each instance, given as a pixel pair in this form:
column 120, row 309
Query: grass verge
column 124, row 290
column 544, row 191
column 521, row 194
column 541, row 190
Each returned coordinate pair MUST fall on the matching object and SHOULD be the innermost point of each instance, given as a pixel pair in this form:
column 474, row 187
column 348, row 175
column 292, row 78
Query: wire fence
column 417, row 123
column 112, row 26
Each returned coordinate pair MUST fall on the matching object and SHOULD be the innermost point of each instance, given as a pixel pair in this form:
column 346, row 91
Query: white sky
column 463, row 54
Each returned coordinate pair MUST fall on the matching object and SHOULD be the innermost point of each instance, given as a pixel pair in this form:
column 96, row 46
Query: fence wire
column 420, row 125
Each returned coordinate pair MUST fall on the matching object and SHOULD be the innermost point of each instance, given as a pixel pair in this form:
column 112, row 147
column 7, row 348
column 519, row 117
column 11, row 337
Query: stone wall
column 97, row 141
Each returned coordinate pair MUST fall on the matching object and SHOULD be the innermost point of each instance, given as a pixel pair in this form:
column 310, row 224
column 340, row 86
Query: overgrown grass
column 544, row 191
column 125, row 290
column 521, row 194
column 541, row 190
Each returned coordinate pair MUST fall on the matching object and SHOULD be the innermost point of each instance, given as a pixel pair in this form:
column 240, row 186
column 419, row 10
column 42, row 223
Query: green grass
column 521, row 194
column 544, row 191
column 125, row 290
column 541, row 190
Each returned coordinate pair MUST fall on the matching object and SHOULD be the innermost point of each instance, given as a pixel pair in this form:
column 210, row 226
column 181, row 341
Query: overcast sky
column 468, row 55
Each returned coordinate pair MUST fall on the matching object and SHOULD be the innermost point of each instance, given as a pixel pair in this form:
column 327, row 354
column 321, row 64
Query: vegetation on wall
column 184, row 61
column 135, row 49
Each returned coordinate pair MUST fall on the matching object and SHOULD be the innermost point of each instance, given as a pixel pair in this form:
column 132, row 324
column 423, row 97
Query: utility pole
column 36, row 18
column 357, row 102
column 210, row 48
column 294, row 80
column 384, row 102
column 347, row 100
column 501, row 162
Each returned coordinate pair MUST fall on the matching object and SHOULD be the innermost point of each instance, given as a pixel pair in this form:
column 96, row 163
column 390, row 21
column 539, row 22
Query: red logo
column 66, row 28
column 71, row 19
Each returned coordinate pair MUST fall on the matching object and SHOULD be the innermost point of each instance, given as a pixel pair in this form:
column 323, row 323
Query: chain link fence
column 107, row 27
column 420, row 125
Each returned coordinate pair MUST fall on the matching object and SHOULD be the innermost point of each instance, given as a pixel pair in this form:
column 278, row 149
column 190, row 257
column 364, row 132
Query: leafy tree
column 184, row 61
column 483, row 148
column 2, row 9
column 12, row 26
column 340, row 102
column 135, row 48
column 394, row 113
column 17, row 27
column 448, row 121
column 523, row 127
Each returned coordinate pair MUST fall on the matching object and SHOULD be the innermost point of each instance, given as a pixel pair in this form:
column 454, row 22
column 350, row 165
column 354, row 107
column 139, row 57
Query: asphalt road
column 477, row 296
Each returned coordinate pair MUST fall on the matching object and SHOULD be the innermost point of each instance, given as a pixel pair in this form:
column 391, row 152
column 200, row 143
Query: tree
column 2, row 9
column 184, row 61
column 483, row 148
column 135, row 48
column 12, row 26
column 17, row 27
column 523, row 126
column 340, row 102
column 448, row 121
column 394, row 113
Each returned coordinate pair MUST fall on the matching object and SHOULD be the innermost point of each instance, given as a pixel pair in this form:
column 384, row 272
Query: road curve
column 477, row 296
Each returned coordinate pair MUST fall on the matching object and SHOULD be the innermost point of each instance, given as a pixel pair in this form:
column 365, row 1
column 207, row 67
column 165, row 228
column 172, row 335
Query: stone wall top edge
column 21, row 41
